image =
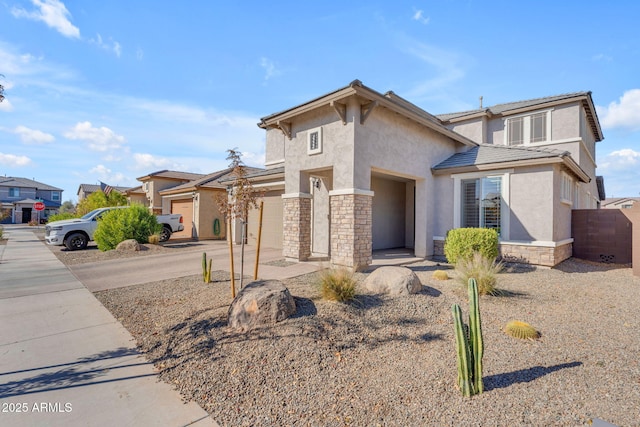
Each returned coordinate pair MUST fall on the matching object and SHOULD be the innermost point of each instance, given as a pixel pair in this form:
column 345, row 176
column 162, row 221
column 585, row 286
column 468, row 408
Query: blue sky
column 113, row 90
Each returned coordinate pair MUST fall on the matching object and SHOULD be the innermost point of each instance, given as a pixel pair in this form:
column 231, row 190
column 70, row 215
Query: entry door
column 26, row 215
column 319, row 217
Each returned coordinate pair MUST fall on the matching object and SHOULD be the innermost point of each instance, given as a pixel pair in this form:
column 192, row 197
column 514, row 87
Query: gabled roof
column 212, row 180
column 619, row 200
column 167, row 174
column 369, row 99
column 487, row 157
column 92, row 188
column 531, row 104
column 10, row 181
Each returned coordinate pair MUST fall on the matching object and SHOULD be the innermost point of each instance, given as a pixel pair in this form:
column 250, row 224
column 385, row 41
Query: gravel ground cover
column 390, row 361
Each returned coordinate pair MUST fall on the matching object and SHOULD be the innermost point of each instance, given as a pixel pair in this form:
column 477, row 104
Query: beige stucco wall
column 565, row 121
column 532, row 195
column 562, row 210
column 205, row 212
column 275, row 148
column 472, row 129
column 443, row 205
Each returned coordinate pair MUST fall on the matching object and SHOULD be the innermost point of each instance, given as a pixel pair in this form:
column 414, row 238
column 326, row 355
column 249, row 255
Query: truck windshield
column 90, row 214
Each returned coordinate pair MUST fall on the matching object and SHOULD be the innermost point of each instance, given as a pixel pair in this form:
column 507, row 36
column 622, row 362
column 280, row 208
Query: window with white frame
column 566, row 190
column 481, row 204
column 55, row 195
column 528, row 129
column 14, row 192
column 314, row 141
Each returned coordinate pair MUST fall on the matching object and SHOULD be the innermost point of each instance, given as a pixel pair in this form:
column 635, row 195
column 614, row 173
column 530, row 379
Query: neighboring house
column 18, row 196
column 84, row 190
column 155, row 182
column 620, row 202
column 365, row 171
column 136, row 195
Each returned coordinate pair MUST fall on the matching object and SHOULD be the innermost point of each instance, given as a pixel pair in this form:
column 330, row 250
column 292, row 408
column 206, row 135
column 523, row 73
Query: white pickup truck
column 78, row 232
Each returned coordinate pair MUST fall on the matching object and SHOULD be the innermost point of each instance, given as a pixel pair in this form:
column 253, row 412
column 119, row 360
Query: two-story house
column 365, row 171
column 18, row 196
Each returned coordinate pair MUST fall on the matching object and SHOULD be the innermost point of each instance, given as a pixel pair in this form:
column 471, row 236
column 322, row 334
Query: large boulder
column 130, row 245
column 393, row 281
column 263, row 302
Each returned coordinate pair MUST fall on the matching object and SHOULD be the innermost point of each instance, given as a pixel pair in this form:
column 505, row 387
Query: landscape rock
column 393, row 281
column 130, row 245
column 263, row 302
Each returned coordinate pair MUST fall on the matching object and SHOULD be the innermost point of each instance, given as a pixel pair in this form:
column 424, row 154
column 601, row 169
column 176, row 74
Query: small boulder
column 393, row 281
column 130, row 245
column 263, row 302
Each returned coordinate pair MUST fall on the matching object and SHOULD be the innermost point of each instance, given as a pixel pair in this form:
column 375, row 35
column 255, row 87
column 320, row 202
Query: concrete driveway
column 185, row 261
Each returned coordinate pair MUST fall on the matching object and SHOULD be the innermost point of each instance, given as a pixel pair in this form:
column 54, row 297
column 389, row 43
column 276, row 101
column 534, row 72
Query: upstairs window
column 529, row 129
column 14, row 192
column 314, row 141
column 55, row 195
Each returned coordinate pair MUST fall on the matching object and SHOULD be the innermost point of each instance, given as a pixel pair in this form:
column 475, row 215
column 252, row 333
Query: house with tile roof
column 18, row 195
column 620, row 202
column 365, row 171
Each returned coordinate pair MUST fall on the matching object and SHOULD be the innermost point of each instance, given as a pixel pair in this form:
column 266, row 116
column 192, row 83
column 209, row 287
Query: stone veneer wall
column 351, row 237
column 537, row 255
column 296, row 239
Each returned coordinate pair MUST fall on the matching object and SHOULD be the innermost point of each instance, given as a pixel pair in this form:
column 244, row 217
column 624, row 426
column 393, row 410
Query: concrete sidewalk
column 64, row 359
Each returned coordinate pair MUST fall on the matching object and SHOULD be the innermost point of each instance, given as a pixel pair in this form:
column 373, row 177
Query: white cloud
column 99, row 139
column 34, row 136
column 253, row 159
column 627, row 158
column 270, row 69
column 110, row 45
column 149, row 161
column 623, row 113
column 53, row 13
column 12, row 160
column 6, row 105
column 107, row 175
column 419, row 16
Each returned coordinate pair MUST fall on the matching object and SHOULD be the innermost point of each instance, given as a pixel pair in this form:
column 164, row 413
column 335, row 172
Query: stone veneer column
column 296, row 239
column 351, row 221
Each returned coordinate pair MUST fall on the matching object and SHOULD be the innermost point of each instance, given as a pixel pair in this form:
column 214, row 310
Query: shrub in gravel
column 462, row 243
column 117, row 225
column 521, row 330
column 481, row 268
column 337, row 284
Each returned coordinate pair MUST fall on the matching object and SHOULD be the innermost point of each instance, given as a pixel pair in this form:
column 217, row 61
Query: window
column 515, row 131
column 314, row 141
column 14, row 192
column 566, row 191
column 525, row 130
column 481, row 202
column 55, row 195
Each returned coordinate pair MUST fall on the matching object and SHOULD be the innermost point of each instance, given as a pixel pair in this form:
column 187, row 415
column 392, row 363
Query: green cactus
column 206, row 269
column 469, row 345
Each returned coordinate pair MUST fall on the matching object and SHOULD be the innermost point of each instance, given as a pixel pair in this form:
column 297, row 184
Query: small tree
column 68, row 207
column 98, row 199
column 241, row 198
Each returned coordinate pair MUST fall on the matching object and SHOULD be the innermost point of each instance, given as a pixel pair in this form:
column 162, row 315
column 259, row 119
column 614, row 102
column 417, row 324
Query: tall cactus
column 469, row 346
column 206, row 269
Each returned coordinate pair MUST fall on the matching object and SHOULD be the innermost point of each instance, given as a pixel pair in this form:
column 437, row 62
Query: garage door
column 271, row 222
column 184, row 207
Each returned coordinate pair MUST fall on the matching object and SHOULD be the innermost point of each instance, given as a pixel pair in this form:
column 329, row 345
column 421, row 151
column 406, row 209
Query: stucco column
column 351, row 220
column 296, row 238
column 423, row 245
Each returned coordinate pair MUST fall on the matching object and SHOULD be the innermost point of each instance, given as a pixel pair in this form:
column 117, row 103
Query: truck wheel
column 165, row 234
column 76, row 241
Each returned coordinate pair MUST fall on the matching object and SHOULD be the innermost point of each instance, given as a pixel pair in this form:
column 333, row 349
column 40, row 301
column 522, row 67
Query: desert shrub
column 337, row 285
column 154, row 239
column 61, row 216
column 521, row 330
column 32, row 223
column 117, row 225
column 481, row 268
column 440, row 275
column 463, row 242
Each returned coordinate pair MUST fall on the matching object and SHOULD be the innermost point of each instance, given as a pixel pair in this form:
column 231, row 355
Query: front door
column 26, row 215
column 319, row 217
